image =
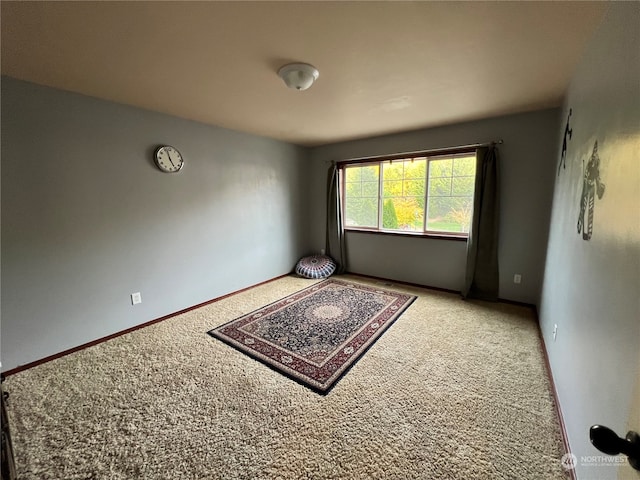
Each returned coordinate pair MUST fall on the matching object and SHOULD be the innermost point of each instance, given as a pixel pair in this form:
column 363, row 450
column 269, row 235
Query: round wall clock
column 168, row 159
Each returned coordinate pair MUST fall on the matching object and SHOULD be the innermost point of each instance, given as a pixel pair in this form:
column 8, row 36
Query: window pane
column 461, row 214
column 361, row 212
column 447, row 214
column 353, row 189
column 370, row 173
column 464, row 166
column 392, row 189
column 361, row 196
column 353, row 174
column 393, row 170
column 370, row 189
column 414, row 187
column 403, row 213
column 439, row 186
column 440, row 168
column 440, row 215
column 450, row 200
column 462, row 186
column 415, row 169
column 437, row 209
column 403, row 195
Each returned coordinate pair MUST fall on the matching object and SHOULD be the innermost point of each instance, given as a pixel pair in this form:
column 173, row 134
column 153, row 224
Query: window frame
column 429, row 155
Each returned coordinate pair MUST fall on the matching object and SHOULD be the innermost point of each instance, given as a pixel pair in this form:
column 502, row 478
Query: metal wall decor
column 568, row 132
column 591, row 186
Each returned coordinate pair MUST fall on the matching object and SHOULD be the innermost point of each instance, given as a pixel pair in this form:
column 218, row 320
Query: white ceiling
column 384, row 66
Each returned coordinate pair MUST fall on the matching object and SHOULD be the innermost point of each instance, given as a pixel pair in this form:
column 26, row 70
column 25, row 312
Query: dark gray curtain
column 482, row 280
column 335, row 244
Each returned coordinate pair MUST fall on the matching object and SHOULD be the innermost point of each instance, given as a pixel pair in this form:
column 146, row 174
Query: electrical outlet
column 517, row 278
column 136, row 298
column 555, row 331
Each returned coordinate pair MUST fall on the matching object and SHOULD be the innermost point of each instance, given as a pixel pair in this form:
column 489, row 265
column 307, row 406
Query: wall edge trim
column 441, row 289
column 571, row 474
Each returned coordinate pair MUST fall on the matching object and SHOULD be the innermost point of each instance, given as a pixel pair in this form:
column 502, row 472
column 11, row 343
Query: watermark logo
column 569, row 461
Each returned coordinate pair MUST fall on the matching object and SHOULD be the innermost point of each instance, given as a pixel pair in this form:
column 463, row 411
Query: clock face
column 168, row 159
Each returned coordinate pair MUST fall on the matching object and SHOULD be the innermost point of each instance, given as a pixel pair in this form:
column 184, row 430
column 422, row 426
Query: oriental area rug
column 315, row 335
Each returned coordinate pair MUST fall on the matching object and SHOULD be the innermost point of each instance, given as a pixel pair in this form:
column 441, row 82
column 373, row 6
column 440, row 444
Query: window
column 424, row 195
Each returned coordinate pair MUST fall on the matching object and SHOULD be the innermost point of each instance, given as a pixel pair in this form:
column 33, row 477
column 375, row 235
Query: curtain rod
column 421, row 153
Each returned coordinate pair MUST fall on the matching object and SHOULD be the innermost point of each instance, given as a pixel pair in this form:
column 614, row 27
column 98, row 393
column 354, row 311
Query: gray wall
column 527, row 162
column 591, row 288
column 87, row 218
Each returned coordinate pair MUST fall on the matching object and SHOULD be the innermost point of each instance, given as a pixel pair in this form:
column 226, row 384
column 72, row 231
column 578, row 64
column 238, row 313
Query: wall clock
column 168, row 159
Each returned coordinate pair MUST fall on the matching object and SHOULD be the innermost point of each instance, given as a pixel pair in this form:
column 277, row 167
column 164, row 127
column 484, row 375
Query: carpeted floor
column 452, row 390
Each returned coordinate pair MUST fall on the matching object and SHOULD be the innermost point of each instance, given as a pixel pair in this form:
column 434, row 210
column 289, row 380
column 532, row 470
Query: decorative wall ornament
column 591, row 186
column 568, row 131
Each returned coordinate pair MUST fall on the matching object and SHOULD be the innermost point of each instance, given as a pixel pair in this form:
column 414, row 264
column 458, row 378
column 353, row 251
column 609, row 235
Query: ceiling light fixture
column 299, row 76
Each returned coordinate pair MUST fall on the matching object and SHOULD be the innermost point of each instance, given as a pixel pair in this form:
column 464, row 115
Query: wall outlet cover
column 136, row 298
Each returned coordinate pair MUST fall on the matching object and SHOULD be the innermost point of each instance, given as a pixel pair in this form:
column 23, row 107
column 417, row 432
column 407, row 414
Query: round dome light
column 299, row 76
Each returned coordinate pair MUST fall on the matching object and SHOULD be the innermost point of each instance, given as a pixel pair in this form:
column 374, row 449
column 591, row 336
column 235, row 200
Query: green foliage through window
column 389, row 216
column 412, row 195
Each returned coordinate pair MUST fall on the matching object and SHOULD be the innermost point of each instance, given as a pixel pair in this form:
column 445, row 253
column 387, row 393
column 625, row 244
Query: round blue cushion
column 315, row 266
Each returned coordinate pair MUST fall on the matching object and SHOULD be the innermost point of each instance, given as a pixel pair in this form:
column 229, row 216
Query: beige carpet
column 453, row 390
